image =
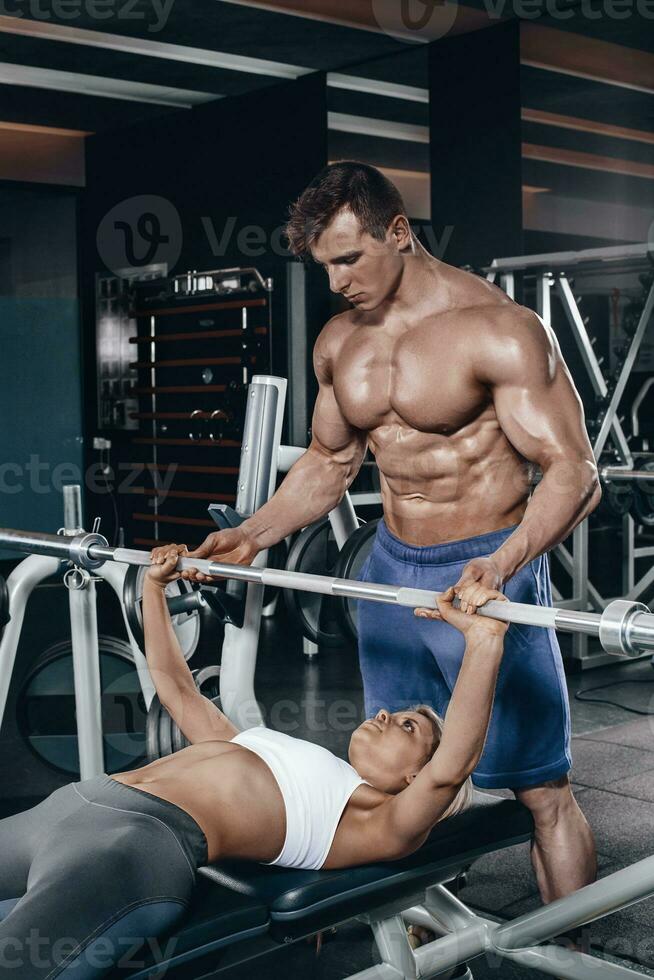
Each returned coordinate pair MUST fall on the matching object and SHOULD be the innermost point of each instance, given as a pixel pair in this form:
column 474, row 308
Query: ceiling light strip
column 366, row 126
column 373, row 86
column 587, row 161
column 152, row 49
column 586, row 126
column 557, row 70
column 100, row 87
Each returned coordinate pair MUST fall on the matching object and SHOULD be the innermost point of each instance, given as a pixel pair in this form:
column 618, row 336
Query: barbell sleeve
column 624, row 627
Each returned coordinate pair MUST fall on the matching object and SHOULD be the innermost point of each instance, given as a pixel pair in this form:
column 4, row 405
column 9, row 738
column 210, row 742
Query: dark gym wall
column 40, row 404
column 219, row 179
column 476, row 167
column 222, row 166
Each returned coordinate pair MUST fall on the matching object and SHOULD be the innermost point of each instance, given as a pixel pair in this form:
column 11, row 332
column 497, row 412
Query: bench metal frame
column 464, row 934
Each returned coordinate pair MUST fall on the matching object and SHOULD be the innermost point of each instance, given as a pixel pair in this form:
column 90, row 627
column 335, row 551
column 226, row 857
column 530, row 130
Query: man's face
column 363, row 269
column 391, row 748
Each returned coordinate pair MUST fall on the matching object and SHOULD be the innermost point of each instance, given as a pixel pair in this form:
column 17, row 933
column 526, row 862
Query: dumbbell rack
column 550, row 273
column 199, row 338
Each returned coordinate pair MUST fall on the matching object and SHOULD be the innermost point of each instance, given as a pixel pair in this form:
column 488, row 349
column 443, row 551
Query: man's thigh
column 405, row 660
column 397, row 668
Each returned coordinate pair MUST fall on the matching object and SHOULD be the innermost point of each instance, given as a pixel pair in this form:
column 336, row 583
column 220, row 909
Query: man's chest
column 426, row 381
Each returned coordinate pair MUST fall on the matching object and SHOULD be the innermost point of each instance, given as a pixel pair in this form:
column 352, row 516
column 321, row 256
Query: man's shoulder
column 340, row 323
column 335, row 331
column 511, row 343
column 496, row 322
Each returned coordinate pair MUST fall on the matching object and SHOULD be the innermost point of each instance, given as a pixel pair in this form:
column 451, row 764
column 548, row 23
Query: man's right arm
column 313, row 486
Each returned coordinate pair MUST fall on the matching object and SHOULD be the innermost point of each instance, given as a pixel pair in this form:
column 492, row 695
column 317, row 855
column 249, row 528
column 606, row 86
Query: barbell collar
column 617, row 622
column 80, row 550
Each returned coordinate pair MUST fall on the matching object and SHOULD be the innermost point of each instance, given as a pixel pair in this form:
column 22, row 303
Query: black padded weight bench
column 244, row 911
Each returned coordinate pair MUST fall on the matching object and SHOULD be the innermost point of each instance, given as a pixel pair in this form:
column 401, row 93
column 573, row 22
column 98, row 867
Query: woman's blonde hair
column 464, row 797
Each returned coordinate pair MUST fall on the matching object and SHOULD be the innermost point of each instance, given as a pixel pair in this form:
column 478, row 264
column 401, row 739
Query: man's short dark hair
column 371, row 197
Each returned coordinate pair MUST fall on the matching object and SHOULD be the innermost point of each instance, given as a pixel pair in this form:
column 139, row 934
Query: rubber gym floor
column 320, row 700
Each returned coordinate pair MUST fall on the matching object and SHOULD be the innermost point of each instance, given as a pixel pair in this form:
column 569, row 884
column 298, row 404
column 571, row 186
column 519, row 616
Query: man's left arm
column 541, row 414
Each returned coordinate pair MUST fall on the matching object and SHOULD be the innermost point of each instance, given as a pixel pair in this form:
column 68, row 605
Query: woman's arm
column 402, row 824
column 198, row 718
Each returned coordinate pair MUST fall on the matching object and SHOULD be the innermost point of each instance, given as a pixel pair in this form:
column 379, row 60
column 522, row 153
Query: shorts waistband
column 441, row 554
column 104, row 789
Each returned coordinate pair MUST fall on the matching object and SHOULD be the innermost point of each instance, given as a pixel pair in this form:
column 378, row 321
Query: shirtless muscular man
column 461, row 395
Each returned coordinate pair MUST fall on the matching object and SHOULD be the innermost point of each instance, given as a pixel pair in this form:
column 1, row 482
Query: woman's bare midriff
column 228, row 790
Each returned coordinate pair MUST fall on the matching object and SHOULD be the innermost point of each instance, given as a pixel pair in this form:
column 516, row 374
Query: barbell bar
column 624, row 627
column 623, row 473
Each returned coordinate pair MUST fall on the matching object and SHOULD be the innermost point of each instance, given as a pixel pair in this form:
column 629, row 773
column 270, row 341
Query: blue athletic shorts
column 406, row 660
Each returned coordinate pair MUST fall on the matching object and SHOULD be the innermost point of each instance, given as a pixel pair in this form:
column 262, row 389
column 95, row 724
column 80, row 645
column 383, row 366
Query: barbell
column 625, row 627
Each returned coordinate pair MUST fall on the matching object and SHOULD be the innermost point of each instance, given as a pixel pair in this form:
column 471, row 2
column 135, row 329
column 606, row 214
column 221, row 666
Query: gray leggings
column 89, row 876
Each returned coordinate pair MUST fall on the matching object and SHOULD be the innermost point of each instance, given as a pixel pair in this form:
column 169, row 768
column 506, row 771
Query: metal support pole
column 590, row 361
column 20, row 585
column 256, row 484
column 628, row 557
column 86, row 671
column 507, row 282
column 73, row 522
column 544, row 297
column 612, row 893
column 343, row 520
column 627, row 367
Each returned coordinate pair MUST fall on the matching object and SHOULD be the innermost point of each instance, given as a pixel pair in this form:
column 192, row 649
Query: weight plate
column 179, row 739
column 186, row 625
column 642, row 508
column 350, row 562
column 207, row 680
column 45, row 708
column 166, row 725
column 152, row 746
column 314, row 551
column 163, row 735
column 617, row 498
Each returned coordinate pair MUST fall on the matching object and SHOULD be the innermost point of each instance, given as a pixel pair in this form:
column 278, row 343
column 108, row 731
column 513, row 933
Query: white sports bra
column 315, row 785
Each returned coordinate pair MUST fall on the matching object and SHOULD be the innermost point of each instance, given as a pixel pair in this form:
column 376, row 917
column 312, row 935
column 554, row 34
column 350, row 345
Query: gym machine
column 627, row 473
